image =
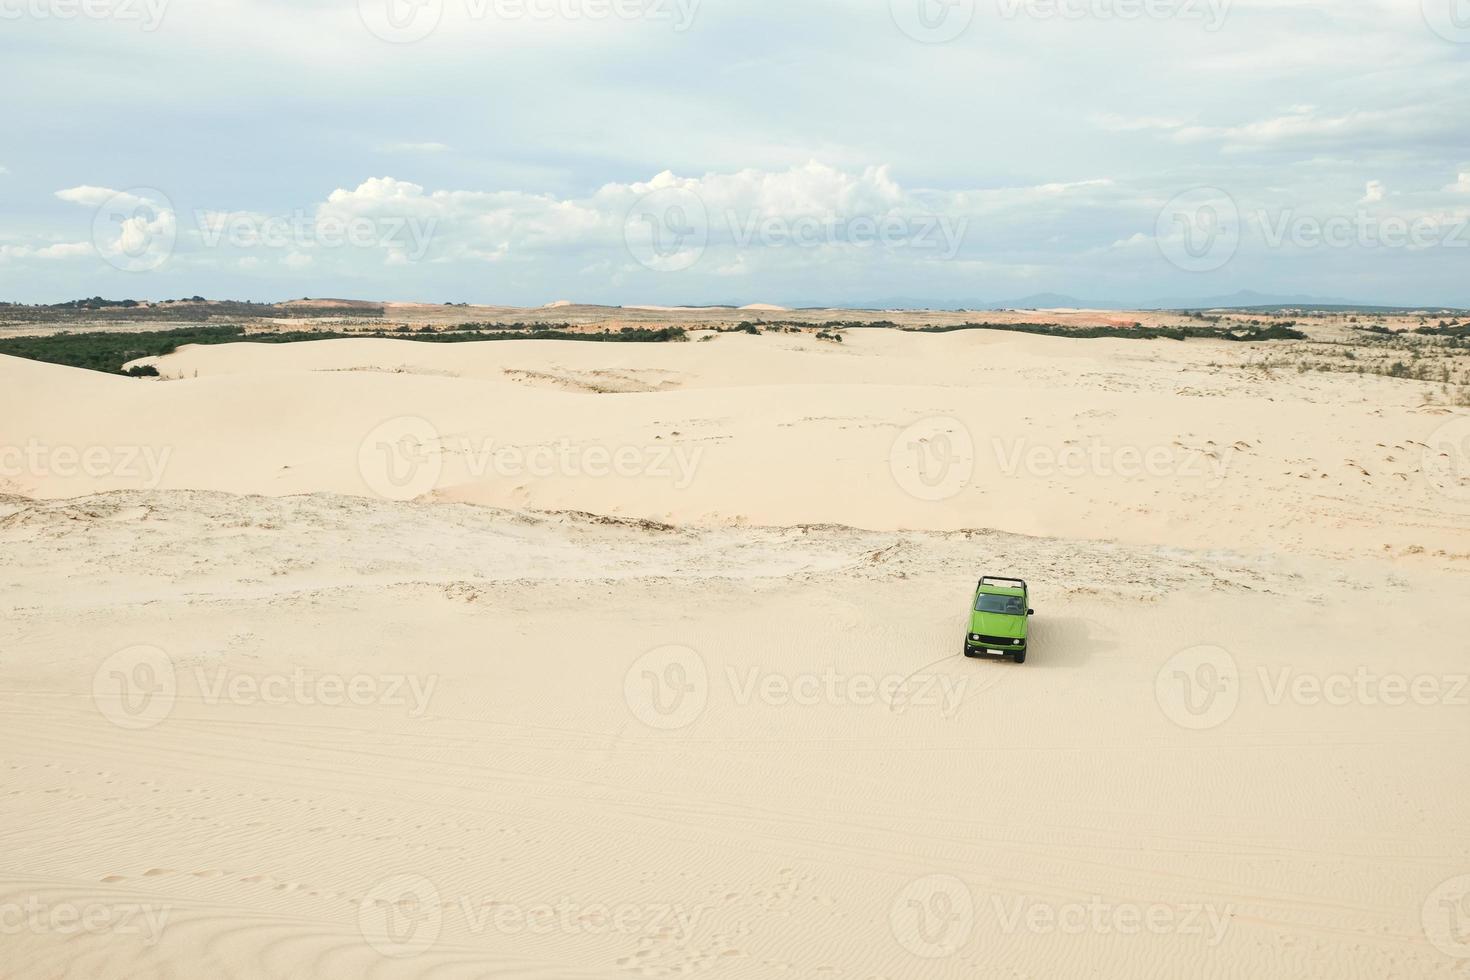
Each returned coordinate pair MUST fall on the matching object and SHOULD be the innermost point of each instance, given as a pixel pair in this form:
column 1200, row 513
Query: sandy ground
column 537, row 720
column 1143, row 442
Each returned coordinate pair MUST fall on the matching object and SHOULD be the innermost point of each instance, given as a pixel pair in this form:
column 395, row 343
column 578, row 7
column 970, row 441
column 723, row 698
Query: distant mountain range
column 1244, row 299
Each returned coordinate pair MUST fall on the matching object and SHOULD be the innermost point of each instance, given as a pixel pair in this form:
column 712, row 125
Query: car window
column 1008, row 605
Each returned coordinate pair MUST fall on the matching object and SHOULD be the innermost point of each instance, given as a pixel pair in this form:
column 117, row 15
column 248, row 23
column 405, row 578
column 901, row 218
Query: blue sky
column 686, row 151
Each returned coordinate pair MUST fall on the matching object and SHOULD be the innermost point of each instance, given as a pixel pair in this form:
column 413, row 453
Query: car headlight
column 975, row 637
column 1015, row 643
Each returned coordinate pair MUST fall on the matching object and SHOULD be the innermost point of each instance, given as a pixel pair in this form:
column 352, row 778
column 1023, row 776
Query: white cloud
column 66, row 250
column 128, row 228
column 489, row 224
column 809, row 220
column 1309, row 97
column 93, row 197
column 1134, row 240
column 1028, row 235
column 58, row 250
column 1356, row 131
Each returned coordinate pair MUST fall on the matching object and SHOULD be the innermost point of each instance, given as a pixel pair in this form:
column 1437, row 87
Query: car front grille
column 992, row 641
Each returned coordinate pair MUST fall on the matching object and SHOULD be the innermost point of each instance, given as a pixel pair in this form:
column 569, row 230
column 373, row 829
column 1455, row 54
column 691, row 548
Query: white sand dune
column 1138, row 442
column 262, row 722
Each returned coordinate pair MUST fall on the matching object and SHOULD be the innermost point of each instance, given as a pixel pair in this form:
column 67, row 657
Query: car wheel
column 1021, row 657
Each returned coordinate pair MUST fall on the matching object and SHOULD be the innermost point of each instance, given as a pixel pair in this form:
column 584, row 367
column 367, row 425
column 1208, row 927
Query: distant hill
column 1245, row 299
column 1249, row 298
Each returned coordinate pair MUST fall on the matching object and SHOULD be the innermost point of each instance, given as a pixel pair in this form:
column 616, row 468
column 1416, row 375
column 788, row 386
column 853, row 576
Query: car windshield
column 1008, row 605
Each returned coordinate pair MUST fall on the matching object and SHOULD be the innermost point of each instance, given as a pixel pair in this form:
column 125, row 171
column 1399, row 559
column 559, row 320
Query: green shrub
column 109, row 351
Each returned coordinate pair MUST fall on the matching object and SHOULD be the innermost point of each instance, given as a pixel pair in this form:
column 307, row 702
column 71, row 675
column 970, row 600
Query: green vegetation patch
column 108, row 351
column 1278, row 331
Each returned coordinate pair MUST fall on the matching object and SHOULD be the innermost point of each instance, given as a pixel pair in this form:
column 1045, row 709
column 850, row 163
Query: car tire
column 1021, row 657
column 966, row 651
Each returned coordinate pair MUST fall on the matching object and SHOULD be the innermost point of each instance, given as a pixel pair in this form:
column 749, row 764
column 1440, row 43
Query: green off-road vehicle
column 998, row 619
